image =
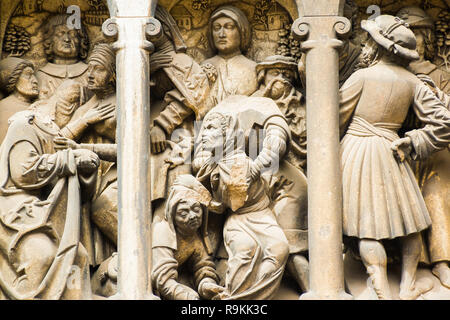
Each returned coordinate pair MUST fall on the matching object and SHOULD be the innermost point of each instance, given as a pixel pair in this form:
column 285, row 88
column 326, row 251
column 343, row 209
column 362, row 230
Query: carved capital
column 110, row 28
column 321, row 31
column 300, row 29
column 132, row 31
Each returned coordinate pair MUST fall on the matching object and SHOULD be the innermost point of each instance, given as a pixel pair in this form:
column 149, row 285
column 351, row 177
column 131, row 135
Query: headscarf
column 232, row 161
column 185, row 186
column 239, row 19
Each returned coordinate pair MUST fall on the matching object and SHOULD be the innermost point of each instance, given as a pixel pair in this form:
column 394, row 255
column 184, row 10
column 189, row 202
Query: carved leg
column 374, row 258
column 411, row 289
column 298, row 267
column 442, row 271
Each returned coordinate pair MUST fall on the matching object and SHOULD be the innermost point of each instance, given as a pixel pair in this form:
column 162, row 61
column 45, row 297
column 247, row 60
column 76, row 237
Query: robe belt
column 362, row 128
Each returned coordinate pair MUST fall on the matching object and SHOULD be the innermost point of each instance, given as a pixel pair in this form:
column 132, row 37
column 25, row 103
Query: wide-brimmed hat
column 415, row 17
column 393, row 34
column 7, row 67
column 277, row 61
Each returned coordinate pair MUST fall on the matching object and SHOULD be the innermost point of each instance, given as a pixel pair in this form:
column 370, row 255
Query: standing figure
column 94, row 126
column 18, row 79
column 41, row 191
column 288, row 187
column 179, row 96
column 229, row 34
column 182, row 238
column 434, row 173
column 256, row 245
column 381, row 198
column 65, row 49
column 423, row 27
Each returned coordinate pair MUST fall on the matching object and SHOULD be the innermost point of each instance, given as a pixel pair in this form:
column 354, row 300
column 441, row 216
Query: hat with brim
column 393, row 34
column 415, row 17
column 277, row 61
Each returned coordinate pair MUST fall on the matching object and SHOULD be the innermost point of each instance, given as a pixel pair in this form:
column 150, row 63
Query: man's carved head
column 62, row 42
column 389, row 38
column 229, row 30
column 278, row 74
column 17, row 75
column 102, row 67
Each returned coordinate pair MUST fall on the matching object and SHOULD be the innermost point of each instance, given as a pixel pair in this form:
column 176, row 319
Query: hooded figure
column 229, row 35
column 40, row 199
column 256, row 246
column 181, row 238
column 381, row 198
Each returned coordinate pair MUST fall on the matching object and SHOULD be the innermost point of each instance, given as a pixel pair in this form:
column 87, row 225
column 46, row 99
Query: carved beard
column 368, row 58
column 277, row 88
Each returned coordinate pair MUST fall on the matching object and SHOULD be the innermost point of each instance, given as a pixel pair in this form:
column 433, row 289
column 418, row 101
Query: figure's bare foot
column 421, row 286
column 442, row 271
column 379, row 284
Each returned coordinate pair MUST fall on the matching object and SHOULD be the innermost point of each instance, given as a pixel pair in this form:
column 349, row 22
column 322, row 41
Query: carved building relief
column 227, row 149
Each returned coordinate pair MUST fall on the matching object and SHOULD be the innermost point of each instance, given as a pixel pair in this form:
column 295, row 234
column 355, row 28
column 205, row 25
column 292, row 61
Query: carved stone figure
column 381, row 197
column 288, row 187
column 179, row 95
column 182, row 238
column 256, row 246
column 232, row 73
column 18, row 79
column 94, row 126
column 433, row 173
column 41, row 191
column 423, row 27
column 65, row 49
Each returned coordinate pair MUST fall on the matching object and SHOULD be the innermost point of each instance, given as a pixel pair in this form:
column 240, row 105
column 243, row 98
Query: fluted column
column 131, row 22
column 319, row 26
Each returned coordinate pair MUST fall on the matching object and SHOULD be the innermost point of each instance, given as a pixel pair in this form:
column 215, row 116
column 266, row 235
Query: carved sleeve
column 203, row 268
column 28, row 168
column 349, row 96
column 174, row 113
column 435, row 135
column 274, row 147
column 105, row 151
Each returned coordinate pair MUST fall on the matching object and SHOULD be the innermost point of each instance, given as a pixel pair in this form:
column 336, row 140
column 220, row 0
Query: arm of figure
column 105, row 151
column 349, row 96
column 205, row 276
column 74, row 129
column 170, row 118
column 435, row 135
column 165, row 276
column 274, row 147
column 31, row 170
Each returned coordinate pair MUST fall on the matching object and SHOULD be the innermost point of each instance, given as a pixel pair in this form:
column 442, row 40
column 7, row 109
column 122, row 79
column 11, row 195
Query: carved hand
column 86, row 160
column 210, row 290
column 255, row 171
column 99, row 113
column 62, row 143
column 157, row 139
column 183, row 292
column 159, row 60
column 402, row 148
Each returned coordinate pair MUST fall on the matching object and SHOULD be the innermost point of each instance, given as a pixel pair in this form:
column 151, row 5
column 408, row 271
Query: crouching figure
column 181, row 238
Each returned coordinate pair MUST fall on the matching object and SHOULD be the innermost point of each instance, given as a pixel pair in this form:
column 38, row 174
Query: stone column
column 318, row 26
column 131, row 22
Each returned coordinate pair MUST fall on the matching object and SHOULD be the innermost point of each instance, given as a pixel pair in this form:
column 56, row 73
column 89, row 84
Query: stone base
column 359, row 285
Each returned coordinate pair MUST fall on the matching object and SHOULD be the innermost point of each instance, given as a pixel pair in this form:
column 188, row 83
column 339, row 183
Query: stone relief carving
column 228, row 164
